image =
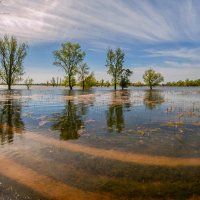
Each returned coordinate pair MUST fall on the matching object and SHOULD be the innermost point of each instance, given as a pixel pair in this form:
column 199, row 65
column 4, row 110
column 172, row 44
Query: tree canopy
column 114, row 63
column 125, row 78
column 12, row 55
column 68, row 58
column 90, row 80
column 152, row 78
column 83, row 72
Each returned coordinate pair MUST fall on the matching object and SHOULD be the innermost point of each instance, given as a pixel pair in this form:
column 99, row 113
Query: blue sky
column 164, row 35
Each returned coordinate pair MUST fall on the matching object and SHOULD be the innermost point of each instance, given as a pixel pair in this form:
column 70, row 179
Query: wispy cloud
column 57, row 20
column 190, row 54
column 181, row 65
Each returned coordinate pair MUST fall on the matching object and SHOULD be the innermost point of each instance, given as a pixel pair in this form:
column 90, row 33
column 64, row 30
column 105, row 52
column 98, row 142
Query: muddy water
column 100, row 144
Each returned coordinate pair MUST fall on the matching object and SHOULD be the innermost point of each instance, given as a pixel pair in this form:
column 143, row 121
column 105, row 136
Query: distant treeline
column 186, row 83
column 102, row 83
column 179, row 83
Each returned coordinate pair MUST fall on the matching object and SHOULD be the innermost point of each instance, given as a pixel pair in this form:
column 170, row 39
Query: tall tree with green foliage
column 125, row 82
column 12, row 55
column 152, row 78
column 68, row 58
column 114, row 63
column 83, row 72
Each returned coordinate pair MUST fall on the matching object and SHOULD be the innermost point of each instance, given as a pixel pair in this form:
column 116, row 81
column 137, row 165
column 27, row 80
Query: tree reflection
column 10, row 117
column 70, row 122
column 115, row 118
column 115, row 113
column 153, row 98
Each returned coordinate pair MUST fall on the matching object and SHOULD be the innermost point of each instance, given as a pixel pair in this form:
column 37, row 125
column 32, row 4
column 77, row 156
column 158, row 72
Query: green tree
column 107, row 84
column 68, row 58
column 65, row 81
column 102, row 82
column 28, row 82
column 90, row 80
column 114, row 63
column 125, row 78
column 152, row 78
column 83, row 71
column 12, row 55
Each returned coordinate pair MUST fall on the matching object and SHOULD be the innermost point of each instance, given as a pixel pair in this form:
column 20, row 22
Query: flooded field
column 100, row 144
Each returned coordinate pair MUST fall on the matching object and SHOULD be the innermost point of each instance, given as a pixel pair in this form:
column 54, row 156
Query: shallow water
column 100, row 144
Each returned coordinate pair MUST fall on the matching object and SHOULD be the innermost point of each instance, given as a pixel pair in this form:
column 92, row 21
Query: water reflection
column 10, row 117
column 77, row 92
column 115, row 113
column 153, row 98
column 70, row 122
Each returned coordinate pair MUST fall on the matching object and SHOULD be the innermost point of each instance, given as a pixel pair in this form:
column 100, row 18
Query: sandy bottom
column 117, row 155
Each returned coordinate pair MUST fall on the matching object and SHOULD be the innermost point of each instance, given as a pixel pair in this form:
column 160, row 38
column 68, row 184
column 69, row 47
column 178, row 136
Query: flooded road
column 100, row 144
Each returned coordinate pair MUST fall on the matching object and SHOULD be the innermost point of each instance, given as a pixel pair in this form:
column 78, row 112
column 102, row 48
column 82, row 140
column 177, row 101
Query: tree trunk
column 150, row 87
column 9, row 80
column 9, row 86
column 70, row 86
column 83, row 85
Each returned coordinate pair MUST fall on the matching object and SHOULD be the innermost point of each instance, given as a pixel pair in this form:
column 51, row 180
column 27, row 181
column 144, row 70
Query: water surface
column 100, row 143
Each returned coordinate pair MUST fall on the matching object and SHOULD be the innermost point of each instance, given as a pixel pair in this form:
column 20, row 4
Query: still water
column 100, row 143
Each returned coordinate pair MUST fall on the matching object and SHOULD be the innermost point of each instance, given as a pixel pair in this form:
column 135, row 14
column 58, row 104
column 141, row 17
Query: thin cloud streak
column 190, row 54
